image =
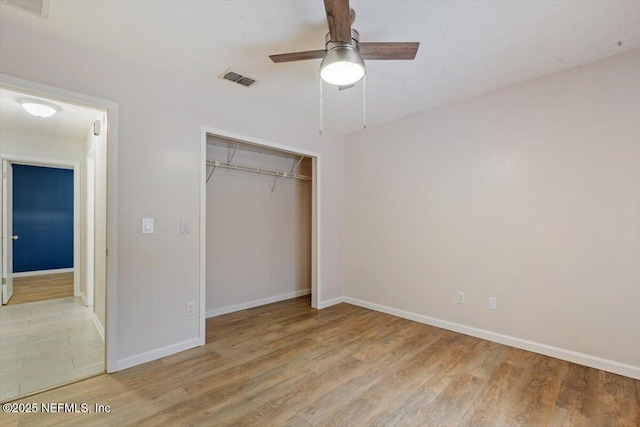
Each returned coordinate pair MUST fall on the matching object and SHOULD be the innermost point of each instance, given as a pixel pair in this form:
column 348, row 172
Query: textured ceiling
column 467, row 47
column 71, row 122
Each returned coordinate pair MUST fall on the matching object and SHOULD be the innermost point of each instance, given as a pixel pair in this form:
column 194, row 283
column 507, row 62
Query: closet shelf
column 218, row 164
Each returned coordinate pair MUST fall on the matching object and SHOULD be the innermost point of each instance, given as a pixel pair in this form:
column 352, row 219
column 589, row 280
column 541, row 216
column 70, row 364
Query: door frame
column 59, row 164
column 90, row 229
column 316, row 282
column 111, row 257
column 7, row 231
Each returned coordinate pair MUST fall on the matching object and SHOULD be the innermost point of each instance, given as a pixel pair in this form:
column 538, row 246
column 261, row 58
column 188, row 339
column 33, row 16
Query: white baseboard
column 256, row 303
column 41, row 272
column 84, row 300
column 159, row 353
column 547, row 350
column 330, row 302
column 99, row 326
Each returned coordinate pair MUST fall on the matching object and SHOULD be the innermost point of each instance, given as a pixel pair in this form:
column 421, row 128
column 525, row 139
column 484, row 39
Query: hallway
column 42, row 287
column 45, row 344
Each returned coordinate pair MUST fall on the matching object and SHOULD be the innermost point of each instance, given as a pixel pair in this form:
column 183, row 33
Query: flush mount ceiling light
column 38, row 108
column 342, row 66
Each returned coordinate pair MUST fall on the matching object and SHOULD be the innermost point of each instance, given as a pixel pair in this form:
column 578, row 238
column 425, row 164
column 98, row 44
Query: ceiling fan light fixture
column 39, row 108
column 342, row 65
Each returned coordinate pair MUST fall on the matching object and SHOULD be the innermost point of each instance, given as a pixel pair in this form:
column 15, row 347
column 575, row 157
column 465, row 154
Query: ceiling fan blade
column 339, row 20
column 402, row 50
column 297, row 56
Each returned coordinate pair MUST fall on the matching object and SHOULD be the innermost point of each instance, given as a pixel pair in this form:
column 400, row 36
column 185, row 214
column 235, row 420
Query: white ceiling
column 71, row 122
column 466, row 47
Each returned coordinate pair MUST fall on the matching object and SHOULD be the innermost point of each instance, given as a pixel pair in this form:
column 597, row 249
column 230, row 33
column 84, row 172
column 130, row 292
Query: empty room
column 419, row 213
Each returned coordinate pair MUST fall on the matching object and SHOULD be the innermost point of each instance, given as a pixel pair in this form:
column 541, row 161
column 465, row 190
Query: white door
column 7, row 232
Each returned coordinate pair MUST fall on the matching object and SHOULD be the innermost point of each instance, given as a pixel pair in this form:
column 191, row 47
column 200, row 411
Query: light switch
column 147, row 225
column 185, row 227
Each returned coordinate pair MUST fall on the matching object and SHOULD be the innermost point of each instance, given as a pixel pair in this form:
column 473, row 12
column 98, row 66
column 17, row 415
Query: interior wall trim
column 99, row 325
column 158, row 353
column 330, row 302
column 256, row 303
column 83, row 297
column 544, row 349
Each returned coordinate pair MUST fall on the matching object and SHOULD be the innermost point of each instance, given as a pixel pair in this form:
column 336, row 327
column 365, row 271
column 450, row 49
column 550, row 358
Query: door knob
column 14, row 237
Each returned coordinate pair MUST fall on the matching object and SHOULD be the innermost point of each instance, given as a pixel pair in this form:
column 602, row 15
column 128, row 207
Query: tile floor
column 45, row 344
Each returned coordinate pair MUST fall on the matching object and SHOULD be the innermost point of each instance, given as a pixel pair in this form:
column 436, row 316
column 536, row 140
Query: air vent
column 246, row 81
column 39, row 8
column 238, row 78
column 234, row 77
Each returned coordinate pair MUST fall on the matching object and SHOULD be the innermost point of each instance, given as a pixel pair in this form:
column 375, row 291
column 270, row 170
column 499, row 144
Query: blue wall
column 42, row 218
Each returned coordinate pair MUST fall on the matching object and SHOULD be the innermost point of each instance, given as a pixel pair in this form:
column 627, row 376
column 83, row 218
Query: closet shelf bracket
column 230, row 159
column 214, row 165
column 217, row 163
column 277, row 181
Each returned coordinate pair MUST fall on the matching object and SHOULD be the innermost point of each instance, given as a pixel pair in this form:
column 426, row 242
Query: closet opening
column 260, row 223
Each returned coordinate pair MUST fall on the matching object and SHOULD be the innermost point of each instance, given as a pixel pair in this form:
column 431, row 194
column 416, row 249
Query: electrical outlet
column 191, row 308
column 460, row 297
column 493, row 303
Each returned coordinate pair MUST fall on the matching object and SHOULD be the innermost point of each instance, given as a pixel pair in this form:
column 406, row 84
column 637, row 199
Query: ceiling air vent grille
column 37, row 7
column 238, row 78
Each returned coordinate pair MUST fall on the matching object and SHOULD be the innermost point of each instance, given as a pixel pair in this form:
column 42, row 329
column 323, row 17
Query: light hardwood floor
column 41, row 288
column 288, row 365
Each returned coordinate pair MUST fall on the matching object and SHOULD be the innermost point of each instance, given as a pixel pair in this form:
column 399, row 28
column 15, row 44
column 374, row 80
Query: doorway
column 295, row 157
column 40, row 212
column 62, row 339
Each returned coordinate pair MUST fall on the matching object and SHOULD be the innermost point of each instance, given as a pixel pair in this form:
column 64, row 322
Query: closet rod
column 218, row 164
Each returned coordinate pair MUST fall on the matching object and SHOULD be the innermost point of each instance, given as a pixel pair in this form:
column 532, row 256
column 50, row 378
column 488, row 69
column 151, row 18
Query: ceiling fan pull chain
column 364, row 103
column 320, row 106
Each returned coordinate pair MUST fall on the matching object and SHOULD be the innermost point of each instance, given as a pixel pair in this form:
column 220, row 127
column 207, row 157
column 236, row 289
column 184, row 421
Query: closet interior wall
column 258, row 230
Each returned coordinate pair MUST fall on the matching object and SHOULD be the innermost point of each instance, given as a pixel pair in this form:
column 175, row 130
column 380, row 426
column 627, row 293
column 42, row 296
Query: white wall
column 159, row 176
column 24, row 143
column 530, row 194
column 258, row 242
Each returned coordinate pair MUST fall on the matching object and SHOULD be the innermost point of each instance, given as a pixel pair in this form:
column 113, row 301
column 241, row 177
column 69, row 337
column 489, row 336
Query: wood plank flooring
column 41, row 288
column 286, row 364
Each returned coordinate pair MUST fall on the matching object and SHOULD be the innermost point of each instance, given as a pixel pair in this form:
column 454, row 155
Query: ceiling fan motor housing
column 355, row 41
column 342, row 64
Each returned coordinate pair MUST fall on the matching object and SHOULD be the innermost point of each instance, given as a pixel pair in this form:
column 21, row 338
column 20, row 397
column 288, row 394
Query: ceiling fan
column 343, row 57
